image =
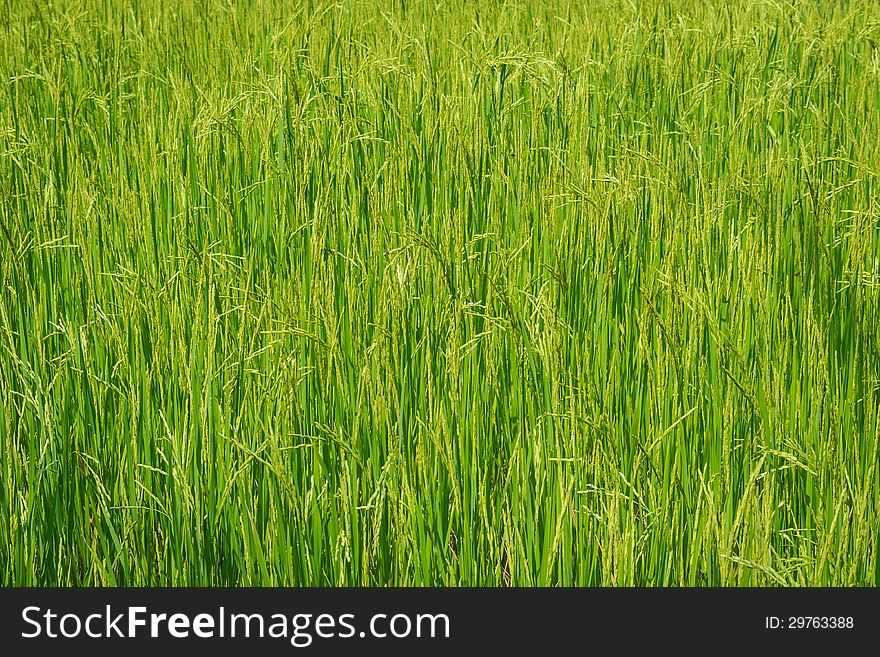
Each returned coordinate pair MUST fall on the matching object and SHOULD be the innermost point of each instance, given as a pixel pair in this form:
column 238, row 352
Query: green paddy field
column 439, row 293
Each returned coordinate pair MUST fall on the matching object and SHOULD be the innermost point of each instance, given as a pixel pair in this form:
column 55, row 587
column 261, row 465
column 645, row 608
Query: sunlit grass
column 453, row 293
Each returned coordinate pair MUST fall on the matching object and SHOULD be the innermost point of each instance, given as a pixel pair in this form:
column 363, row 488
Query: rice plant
column 374, row 292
